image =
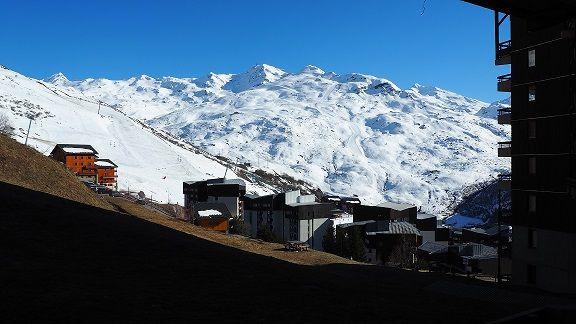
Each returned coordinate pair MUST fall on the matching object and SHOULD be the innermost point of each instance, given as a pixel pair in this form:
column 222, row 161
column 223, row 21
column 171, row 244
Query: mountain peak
column 256, row 76
column 311, row 69
column 58, row 79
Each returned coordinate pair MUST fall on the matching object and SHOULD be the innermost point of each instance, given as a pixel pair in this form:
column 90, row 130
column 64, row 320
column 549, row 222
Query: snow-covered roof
column 305, row 203
column 396, row 206
column 77, row 149
column 219, row 181
column 74, row 150
column 226, row 181
column 425, row 216
column 105, row 163
column 206, row 209
column 208, row 213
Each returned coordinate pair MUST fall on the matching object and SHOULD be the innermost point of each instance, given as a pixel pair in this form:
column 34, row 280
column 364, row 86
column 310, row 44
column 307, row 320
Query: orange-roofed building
column 107, row 175
column 78, row 158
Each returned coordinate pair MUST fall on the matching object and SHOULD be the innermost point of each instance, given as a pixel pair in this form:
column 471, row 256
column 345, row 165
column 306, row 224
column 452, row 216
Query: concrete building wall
column 312, row 231
column 552, row 259
column 274, row 219
column 291, row 197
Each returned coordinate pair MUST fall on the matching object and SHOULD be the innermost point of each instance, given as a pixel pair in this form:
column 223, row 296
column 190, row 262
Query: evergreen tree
column 356, row 245
column 329, row 241
column 342, row 246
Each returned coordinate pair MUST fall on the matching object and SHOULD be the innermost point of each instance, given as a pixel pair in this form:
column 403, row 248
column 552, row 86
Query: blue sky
column 450, row 46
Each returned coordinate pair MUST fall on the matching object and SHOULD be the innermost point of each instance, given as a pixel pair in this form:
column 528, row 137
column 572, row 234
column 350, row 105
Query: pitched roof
column 398, row 228
column 433, row 247
column 219, row 207
column 105, row 163
column 477, row 251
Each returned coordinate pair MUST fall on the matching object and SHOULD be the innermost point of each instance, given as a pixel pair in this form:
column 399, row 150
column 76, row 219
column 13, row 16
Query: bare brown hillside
column 274, row 250
column 25, row 167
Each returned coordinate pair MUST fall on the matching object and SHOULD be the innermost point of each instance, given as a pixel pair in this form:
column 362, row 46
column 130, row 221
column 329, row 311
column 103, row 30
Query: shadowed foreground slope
column 65, row 261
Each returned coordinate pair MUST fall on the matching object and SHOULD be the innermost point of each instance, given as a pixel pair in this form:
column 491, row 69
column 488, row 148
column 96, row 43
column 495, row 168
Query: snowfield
column 347, row 134
column 146, row 162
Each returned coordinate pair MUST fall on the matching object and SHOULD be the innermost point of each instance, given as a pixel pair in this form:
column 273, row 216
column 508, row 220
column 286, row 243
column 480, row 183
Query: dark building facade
column 542, row 83
column 228, row 192
column 386, row 211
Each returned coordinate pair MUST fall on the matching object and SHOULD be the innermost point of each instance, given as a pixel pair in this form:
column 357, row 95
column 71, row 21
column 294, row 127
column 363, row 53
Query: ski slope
column 63, row 115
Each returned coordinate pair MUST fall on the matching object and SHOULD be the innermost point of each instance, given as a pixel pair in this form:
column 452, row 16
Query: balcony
column 503, row 53
column 505, row 83
column 505, row 116
column 505, row 149
column 505, row 182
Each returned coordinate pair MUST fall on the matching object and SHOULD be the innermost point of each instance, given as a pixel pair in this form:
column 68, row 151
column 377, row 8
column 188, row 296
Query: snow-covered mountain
column 147, row 162
column 347, row 134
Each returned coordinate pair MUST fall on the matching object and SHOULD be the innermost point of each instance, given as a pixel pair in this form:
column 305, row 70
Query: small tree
column 6, row 126
column 329, row 241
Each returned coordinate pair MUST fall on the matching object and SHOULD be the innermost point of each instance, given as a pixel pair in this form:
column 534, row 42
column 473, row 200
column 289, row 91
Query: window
column 531, row 274
column 532, row 203
column 531, row 129
column 532, row 58
column 532, row 238
column 532, row 165
column 532, row 93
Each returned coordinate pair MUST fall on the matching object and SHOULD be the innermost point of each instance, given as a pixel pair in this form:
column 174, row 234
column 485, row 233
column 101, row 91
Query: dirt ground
column 274, row 250
column 63, row 261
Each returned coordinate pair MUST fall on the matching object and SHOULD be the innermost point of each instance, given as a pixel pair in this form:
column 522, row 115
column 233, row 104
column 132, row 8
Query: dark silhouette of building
column 542, row 55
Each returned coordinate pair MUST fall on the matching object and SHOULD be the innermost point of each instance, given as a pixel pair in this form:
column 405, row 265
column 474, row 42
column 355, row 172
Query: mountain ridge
column 347, row 134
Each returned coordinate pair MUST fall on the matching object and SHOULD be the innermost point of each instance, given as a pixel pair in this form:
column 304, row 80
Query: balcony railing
column 505, row 116
column 505, row 182
column 504, row 149
column 503, row 53
column 505, row 83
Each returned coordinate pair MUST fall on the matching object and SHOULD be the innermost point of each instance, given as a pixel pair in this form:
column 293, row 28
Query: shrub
column 237, row 226
column 265, row 234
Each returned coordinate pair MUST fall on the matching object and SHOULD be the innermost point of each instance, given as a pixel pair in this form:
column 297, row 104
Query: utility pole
column 28, row 133
column 99, row 102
